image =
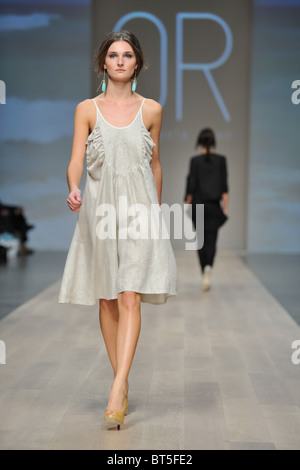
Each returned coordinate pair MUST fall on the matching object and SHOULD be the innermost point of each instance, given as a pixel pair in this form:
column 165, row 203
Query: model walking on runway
column 118, row 131
column 207, row 184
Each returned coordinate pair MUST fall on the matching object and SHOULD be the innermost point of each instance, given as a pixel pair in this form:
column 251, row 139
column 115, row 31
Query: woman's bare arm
column 156, row 118
column 75, row 167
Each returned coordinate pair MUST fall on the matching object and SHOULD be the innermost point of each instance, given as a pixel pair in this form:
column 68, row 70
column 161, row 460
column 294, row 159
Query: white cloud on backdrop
column 37, row 121
column 22, row 22
column 47, row 2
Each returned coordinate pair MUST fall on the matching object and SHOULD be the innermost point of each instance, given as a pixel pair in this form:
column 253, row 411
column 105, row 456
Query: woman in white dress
column 119, row 133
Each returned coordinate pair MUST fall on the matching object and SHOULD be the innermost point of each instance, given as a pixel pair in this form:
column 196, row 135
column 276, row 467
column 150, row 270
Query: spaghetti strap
column 95, row 105
column 97, row 115
column 140, row 111
column 97, row 109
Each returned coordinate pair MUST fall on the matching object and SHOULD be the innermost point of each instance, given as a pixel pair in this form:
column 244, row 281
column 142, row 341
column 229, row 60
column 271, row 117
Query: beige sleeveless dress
column 108, row 254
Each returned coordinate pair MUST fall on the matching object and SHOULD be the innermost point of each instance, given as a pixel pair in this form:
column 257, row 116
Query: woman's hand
column 225, row 203
column 74, row 200
column 189, row 199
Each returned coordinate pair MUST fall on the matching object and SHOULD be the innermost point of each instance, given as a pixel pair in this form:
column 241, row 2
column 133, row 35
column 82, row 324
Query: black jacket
column 207, row 178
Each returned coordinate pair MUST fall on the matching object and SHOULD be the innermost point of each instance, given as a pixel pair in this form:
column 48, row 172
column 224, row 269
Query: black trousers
column 214, row 218
column 207, row 253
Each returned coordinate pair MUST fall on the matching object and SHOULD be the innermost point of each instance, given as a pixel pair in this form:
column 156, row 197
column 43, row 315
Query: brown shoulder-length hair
column 119, row 36
column 206, row 139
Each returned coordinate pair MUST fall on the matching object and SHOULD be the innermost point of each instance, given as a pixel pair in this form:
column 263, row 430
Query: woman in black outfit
column 207, row 184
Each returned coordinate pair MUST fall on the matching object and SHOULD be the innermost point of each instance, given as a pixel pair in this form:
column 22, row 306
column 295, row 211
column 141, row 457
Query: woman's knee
column 129, row 300
column 108, row 306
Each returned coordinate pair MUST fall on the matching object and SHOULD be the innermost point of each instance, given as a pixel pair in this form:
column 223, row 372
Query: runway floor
column 212, row 370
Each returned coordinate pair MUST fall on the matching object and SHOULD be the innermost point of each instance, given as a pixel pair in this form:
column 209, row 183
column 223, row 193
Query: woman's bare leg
column 129, row 325
column 109, row 320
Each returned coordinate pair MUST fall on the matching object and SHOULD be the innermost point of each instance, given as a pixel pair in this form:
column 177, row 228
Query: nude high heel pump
column 206, row 281
column 113, row 417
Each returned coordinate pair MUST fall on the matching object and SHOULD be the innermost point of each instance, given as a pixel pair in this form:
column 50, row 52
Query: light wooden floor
column 212, row 370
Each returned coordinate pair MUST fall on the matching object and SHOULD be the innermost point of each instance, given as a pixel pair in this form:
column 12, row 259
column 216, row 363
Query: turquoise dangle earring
column 134, row 82
column 103, row 83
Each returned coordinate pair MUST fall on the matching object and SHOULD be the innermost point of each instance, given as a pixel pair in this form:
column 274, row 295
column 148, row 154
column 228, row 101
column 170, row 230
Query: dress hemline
column 90, row 303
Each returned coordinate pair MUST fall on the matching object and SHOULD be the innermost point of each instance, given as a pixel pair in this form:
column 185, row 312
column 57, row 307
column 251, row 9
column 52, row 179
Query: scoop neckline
column 121, row 127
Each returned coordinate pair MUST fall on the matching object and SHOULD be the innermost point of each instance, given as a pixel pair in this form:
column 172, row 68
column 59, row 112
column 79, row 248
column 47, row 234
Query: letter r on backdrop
column 205, row 68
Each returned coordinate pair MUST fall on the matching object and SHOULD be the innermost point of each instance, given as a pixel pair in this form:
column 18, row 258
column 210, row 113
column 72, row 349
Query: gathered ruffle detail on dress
column 148, row 144
column 95, row 153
